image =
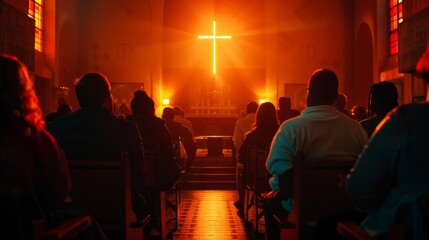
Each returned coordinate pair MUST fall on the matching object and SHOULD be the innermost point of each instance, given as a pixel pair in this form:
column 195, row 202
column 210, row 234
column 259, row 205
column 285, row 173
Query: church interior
column 211, row 58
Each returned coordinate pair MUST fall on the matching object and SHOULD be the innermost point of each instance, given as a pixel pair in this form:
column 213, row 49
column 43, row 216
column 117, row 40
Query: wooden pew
column 316, row 193
column 152, row 178
column 103, row 188
column 256, row 182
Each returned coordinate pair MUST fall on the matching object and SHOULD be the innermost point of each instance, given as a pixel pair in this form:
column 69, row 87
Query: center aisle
column 209, row 214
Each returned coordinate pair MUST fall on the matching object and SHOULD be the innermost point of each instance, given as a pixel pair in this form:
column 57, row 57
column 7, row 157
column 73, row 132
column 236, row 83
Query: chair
column 316, row 193
column 22, row 217
column 104, row 189
column 152, row 178
column 400, row 230
column 65, row 231
column 256, row 182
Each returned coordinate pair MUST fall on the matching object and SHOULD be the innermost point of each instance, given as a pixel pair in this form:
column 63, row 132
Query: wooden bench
column 154, row 173
column 256, row 182
column 103, row 188
column 316, row 194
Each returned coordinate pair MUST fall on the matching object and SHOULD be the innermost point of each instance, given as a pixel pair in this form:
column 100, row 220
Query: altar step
column 211, row 173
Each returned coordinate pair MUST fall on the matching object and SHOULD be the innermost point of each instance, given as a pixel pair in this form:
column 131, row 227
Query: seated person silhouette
column 94, row 133
column 179, row 116
column 155, row 136
column 182, row 133
column 392, row 171
column 383, row 97
column 63, row 110
column 320, row 132
column 261, row 135
column 341, row 103
column 285, row 110
column 31, row 162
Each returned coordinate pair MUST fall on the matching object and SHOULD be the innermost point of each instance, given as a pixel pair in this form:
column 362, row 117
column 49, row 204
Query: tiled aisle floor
column 209, row 214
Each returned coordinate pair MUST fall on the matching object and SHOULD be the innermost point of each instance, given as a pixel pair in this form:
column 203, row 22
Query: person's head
column 383, row 97
column 18, row 102
column 422, row 68
column 266, row 116
column 251, row 107
column 285, row 103
column 359, row 112
column 142, row 104
column 64, row 109
column 341, row 101
column 168, row 113
column 178, row 111
column 322, row 88
column 93, row 90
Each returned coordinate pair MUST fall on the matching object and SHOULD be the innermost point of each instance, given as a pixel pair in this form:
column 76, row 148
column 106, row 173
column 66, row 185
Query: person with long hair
column 31, row 162
column 261, row 134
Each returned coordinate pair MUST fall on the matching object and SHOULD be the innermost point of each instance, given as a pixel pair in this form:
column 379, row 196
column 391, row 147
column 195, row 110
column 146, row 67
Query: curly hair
column 19, row 104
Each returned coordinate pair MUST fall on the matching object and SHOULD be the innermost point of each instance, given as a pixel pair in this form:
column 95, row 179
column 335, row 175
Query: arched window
column 395, row 17
column 35, row 11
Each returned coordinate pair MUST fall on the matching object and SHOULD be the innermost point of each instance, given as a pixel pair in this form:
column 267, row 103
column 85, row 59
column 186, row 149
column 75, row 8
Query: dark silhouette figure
column 155, row 136
column 285, row 111
column 359, row 112
column 31, row 162
column 383, row 97
column 63, row 110
column 341, row 103
column 261, row 135
column 94, row 133
column 182, row 133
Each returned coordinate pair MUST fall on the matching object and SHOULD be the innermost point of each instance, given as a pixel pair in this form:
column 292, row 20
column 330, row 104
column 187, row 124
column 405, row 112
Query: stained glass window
column 395, row 17
column 35, row 11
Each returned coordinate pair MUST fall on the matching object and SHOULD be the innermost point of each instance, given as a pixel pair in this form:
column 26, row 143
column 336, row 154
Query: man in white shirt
column 242, row 126
column 179, row 116
column 320, row 132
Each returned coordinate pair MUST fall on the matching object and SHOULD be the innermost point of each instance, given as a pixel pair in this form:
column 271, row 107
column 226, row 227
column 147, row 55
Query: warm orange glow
column 214, row 37
column 262, row 100
column 165, row 101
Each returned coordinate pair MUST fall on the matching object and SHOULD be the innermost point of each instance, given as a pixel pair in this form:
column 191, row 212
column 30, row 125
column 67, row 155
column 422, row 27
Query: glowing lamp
column 262, row 100
column 165, row 101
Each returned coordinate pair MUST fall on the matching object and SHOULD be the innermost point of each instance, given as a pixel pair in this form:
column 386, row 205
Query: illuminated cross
column 214, row 37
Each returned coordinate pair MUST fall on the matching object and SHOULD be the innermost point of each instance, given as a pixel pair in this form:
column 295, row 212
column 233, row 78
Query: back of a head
column 177, row 111
column 341, row 101
column 64, row 109
column 266, row 116
column 322, row 88
column 18, row 101
column 251, row 107
column 285, row 103
column 168, row 113
column 92, row 90
column 142, row 104
column 384, row 97
column 422, row 68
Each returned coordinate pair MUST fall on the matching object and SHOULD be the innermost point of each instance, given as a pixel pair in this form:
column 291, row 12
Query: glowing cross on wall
column 214, row 37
